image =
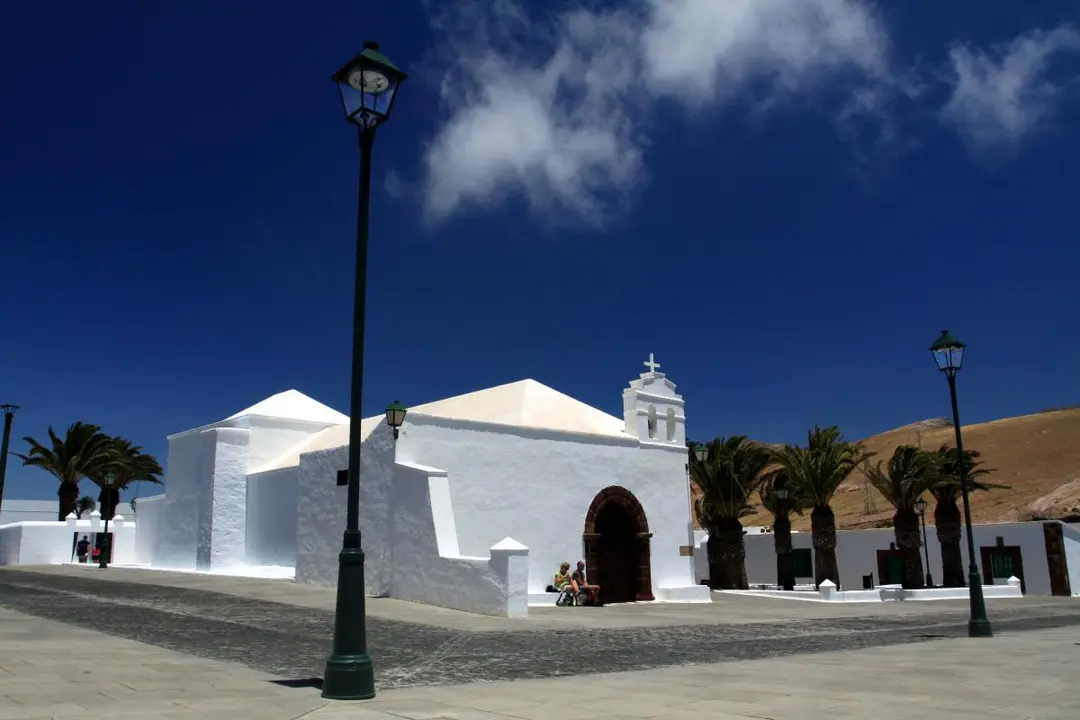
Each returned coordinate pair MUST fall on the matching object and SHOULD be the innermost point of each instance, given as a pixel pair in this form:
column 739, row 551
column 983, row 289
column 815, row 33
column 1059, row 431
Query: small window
column 670, row 424
column 652, row 421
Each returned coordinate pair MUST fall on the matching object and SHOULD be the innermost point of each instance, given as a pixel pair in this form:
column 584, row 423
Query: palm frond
column 909, row 473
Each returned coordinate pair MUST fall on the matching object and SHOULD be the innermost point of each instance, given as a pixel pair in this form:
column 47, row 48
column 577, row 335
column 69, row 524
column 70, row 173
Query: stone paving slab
column 52, row 670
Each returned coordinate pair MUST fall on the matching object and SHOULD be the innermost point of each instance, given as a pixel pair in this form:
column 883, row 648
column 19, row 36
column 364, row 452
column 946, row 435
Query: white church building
column 472, row 507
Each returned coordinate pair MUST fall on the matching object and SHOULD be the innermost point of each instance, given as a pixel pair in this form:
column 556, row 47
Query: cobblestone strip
column 293, row 642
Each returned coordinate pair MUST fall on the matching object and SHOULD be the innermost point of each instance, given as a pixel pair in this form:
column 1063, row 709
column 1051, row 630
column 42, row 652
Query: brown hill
column 1037, row 456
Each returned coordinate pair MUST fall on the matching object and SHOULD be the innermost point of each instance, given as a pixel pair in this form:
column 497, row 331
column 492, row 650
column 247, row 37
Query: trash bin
column 868, row 582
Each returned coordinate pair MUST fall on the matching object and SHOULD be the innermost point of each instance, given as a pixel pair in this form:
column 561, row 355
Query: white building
column 472, row 507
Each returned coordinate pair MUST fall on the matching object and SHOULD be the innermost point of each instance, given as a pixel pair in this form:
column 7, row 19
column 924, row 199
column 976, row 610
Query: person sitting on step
column 582, row 582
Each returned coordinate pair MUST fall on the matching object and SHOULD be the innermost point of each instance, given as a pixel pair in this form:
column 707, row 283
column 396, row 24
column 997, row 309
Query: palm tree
column 128, row 464
column 910, row 473
column 83, row 505
column 80, row 453
column 947, row 518
column 727, row 478
column 781, row 511
column 816, row 471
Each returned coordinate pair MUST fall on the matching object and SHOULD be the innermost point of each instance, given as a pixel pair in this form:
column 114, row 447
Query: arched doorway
column 617, row 553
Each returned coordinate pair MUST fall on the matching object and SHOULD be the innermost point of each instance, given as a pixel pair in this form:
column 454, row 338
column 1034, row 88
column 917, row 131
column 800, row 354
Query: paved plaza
column 81, row 643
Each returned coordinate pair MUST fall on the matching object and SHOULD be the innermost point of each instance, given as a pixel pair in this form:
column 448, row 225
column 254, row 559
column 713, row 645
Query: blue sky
column 785, row 201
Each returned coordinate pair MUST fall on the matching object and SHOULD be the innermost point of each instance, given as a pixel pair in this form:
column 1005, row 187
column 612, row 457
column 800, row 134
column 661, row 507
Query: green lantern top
column 368, row 85
column 948, row 353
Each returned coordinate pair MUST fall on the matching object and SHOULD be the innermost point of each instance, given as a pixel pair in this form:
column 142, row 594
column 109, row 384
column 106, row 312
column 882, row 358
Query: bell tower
column 652, row 411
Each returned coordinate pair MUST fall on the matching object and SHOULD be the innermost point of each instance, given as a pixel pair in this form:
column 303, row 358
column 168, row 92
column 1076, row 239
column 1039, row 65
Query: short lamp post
column 948, row 353
column 920, row 507
column 103, row 560
column 368, row 85
column 395, row 416
column 784, row 564
column 9, row 416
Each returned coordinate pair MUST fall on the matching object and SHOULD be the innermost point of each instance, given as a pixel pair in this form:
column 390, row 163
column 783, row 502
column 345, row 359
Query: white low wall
column 425, row 532
column 50, row 542
column 856, row 554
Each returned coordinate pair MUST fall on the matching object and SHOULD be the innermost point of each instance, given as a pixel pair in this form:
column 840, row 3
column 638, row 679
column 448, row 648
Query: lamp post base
column 349, row 677
column 349, row 673
column 978, row 625
column 929, row 581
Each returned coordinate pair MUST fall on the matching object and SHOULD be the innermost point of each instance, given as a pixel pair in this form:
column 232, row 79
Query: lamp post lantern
column 395, row 416
column 782, row 535
column 368, row 85
column 920, row 507
column 701, row 452
column 103, row 561
column 9, row 416
column 948, row 353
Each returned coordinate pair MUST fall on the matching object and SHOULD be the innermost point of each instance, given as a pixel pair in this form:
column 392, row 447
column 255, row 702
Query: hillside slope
column 1038, row 456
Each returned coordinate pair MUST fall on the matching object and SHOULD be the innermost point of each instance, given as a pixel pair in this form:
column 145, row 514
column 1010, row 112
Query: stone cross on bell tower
column 652, row 411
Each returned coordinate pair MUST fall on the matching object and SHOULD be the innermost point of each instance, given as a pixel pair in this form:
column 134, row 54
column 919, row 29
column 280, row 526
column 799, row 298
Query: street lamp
column 368, row 85
column 701, row 452
column 920, row 507
column 948, row 353
column 103, row 560
column 9, row 416
column 395, row 416
column 782, row 535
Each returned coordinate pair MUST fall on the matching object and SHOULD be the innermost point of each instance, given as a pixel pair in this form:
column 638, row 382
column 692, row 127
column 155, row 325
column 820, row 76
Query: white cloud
column 556, row 108
column 557, row 113
column 1002, row 96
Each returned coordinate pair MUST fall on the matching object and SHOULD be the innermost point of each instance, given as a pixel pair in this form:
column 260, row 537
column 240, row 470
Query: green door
column 894, row 568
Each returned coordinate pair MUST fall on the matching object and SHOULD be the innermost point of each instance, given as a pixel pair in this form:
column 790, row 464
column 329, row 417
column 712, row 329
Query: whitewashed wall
column 271, row 517
column 856, row 553
column 149, row 521
column 436, row 573
column 537, row 486
column 189, row 468
column 321, row 512
column 50, row 542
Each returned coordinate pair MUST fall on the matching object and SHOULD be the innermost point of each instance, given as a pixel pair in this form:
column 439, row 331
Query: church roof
column 331, row 437
column 526, row 404
column 294, row 405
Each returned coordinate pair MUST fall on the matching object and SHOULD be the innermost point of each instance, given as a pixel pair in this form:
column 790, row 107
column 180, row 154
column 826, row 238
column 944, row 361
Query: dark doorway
column 1002, row 562
column 616, row 554
column 617, row 546
column 890, row 565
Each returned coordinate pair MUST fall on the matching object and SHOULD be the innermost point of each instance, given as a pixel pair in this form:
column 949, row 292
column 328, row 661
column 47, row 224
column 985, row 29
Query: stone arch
column 642, row 553
column 651, row 424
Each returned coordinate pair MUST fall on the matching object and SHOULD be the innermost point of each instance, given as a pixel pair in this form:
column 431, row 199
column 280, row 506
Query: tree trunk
column 785, row 565
column 947, row 523
column 69, row 497
column 906, row 528
column 716, row 563
column 108, row 499
column 732, row 553
column 823, row 532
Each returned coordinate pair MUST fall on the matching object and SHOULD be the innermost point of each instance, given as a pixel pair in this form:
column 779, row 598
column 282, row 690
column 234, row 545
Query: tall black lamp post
column 784, row 562
column 103, row 558
column 948, row 353
column 368, row 85
column 920, row 507
column 9, row 416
